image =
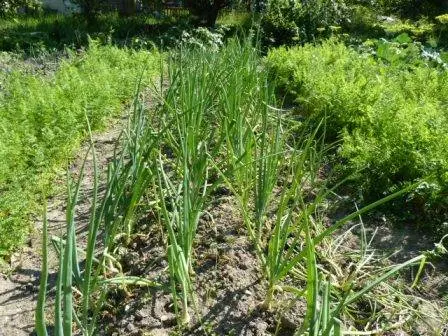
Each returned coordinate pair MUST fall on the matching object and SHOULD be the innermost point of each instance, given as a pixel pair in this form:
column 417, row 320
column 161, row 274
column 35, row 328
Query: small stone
column 29, row 287
column 131, row 328
column 248, row 292
column 140, row 315
column 244, row 266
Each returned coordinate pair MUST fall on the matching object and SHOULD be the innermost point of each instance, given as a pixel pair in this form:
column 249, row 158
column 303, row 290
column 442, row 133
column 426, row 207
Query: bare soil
column 228, row 287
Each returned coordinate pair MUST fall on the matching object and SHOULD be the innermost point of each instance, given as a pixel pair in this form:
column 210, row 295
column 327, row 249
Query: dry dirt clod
column 131, row 328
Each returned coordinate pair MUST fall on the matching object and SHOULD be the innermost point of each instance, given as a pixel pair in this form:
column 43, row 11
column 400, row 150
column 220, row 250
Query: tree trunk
column 212, row 16
column 128, row 7
column 206, row 12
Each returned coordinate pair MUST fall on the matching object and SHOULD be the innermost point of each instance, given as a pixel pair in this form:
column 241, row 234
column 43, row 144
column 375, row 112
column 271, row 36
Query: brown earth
column 228, row 287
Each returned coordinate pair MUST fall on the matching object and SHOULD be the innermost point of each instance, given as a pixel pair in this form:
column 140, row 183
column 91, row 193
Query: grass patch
column 33, row 34
column 49, row 32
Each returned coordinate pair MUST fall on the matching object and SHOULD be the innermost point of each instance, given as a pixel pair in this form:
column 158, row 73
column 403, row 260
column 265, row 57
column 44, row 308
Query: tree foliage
column 291, row 21
column 89, row 7
column 206, row 11
column 9, row 7
column 413, row 8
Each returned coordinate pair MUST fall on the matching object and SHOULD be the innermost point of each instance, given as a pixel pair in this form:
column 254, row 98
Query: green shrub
column 441, row 29
column 420, row 30
column 10, row 7
column 443, row 19
column 57, row 31
column 288, row 21
column 391, row 118
column 42, row 120
column 303, row 71
column 363, row 21
column 413, row 8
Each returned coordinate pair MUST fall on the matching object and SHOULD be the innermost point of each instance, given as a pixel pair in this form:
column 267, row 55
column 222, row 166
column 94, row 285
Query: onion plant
column 253, row 136
column 209, row 107
column 238, row 115
column 326, row 303
column 112, row 213
column 40, row 323
column 186, row 106
column 130, row 173
column 293, row 213
column 259, row 151
column 294, row 219
column 321, row 318
column 268, row 161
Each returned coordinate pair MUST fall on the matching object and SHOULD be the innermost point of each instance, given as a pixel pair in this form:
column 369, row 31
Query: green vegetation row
column 295, row 22
column 43, row 119
column 56, row 31
column 389, row 114
column 281, row 23
column 34, row 35
column 218, row 125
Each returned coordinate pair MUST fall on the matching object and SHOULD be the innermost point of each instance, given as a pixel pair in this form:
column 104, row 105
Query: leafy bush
column 42, row 120
column 288, row 21
column 442, row 29
column 365, row 22
column 443, row 19
column 391, row 118
column 57, row 31
column 301, row 71
column 421, row 29
column 403, row 51
column 203, row 38
column 413, row 8
column 10, row 7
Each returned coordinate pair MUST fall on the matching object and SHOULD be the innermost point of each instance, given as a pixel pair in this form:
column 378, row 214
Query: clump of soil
column 229, row 288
